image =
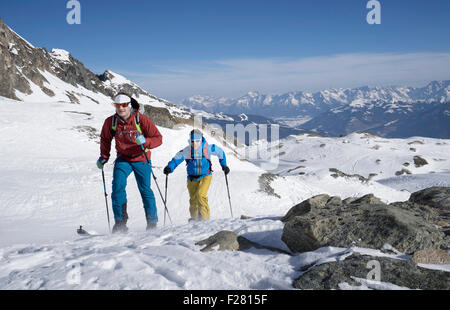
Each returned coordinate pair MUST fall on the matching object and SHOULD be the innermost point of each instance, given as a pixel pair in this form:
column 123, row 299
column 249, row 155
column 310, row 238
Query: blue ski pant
column 142, row 172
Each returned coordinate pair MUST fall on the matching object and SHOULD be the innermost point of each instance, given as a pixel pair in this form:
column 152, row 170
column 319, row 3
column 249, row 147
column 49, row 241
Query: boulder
column 226, row 240
column 402, row 273
column 431, row 256
column 223, row 240
column 435, row 197
column 419, row 161
column 160, row 116
column 362, row 222
column 306, row 206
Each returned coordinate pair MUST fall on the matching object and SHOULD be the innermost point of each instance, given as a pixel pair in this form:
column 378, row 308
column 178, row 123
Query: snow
column 61, row 55
column 12, row 49
column 117, row 79
column 50, row 185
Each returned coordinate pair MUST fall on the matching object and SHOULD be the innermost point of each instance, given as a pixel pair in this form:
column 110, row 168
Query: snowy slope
column 50, row 185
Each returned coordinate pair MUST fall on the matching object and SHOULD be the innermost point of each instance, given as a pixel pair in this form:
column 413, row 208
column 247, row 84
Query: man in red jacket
column 133, row 132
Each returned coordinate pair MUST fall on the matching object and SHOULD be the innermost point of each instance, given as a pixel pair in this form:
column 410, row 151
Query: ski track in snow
column 51, row 185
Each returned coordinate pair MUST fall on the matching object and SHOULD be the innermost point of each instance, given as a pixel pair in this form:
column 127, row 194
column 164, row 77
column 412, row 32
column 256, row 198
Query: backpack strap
column 204, row 154
column 114, row 125
column 205, row 151
column 136, row 121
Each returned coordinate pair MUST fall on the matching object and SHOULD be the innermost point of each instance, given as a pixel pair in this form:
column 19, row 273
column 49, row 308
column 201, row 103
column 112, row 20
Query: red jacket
column 125, row 134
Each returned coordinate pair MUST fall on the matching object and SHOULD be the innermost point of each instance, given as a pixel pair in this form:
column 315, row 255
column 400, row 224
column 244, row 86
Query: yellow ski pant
column 198, row 201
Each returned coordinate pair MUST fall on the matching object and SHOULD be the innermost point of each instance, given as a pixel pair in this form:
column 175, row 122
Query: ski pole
column 229, row 198
column 165, row 198
column 106, row 199
column 154, row 178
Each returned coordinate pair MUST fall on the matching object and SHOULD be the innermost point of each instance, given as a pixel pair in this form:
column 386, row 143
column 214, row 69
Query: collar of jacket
column 133, row 113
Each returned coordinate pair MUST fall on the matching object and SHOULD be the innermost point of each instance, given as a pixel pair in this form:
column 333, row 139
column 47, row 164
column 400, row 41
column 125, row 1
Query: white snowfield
column 50, row 185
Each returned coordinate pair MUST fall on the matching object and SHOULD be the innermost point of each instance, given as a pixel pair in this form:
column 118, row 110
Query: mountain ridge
column 314, row 103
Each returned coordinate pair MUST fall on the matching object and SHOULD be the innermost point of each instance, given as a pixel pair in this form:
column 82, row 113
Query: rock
column 265, row 186
column 436, row 201
column 398, row 272
column 362, row 222
column 334, row 201
column 304, row 207
column 226, row 240
column 337, row 173
column 419, row 161
column 349, row 200
column 368, row 199
column 403, row 171
column 159, row 116
column 431, row 256
column 245, row 217
column 435, row 197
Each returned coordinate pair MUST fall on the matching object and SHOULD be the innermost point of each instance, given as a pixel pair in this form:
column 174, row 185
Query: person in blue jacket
column 198, row 165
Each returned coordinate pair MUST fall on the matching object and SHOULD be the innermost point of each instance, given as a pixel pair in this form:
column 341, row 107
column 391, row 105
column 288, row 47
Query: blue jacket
column 198, row 166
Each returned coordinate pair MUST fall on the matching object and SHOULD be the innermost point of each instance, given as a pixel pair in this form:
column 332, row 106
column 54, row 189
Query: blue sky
column 178, row 48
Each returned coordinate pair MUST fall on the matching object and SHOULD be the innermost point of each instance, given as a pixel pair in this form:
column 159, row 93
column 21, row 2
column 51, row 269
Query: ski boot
column 121, row 226
column 150, row 224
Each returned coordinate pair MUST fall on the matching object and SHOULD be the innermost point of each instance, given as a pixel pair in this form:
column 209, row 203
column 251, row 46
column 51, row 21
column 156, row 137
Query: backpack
column 204, row 155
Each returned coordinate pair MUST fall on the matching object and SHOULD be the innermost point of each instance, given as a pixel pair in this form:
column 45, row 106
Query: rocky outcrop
column 21, row 62
column 265, row 186
column 160, row 116
column 365, row 222
column 356, row 270
column 435, row 197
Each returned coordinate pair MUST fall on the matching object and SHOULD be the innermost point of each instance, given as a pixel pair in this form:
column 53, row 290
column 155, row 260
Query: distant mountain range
column 391, row 111
column 312, row 104
column 390, row 120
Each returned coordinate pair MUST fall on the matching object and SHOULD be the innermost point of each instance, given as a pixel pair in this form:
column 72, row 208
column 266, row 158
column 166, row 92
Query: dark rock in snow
column 402, row 273
column 419, row 161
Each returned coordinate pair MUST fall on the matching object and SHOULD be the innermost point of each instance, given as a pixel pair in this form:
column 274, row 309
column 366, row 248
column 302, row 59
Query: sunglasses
column 194, row 141
column 123, row 105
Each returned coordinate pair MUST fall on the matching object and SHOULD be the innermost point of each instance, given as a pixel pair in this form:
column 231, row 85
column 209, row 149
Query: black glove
column 226, row 169
column 167, row 170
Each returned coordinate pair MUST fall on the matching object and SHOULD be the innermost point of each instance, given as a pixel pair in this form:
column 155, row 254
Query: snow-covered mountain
column 387, row 111
column 393, row 120
column 29, row 73
column 310, row 104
